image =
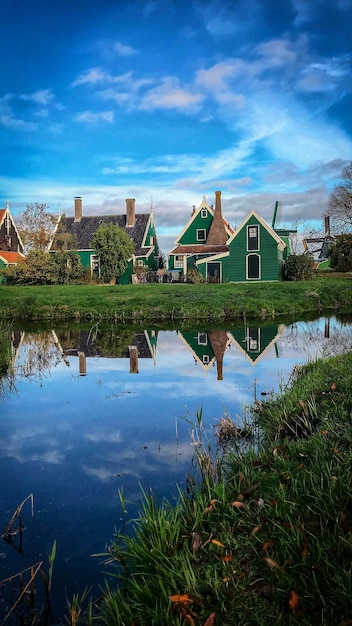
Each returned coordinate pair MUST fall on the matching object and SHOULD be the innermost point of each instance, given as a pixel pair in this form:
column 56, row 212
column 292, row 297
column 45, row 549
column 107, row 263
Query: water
column 78, row 423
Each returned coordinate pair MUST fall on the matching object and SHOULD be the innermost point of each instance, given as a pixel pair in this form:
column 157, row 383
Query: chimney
column 130, row 212
column 78, row 209
column 327, row 226
column 217, row 233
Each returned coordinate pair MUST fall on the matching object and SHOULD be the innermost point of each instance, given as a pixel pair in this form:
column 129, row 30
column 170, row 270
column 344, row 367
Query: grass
column 266, row 537
column 176, row 302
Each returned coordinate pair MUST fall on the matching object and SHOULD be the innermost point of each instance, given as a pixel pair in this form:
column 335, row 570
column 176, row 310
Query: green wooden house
column 254, row 342
column 255, row 252
column 205, row 235
column 140, row 227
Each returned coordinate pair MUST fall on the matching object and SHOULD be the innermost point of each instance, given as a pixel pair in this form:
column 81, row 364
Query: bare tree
column 340, row 202
column 35, row 226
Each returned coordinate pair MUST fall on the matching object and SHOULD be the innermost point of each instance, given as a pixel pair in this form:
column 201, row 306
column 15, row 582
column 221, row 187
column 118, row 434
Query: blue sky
column 172, row 100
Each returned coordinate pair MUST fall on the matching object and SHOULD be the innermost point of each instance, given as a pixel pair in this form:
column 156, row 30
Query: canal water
column 88, row 413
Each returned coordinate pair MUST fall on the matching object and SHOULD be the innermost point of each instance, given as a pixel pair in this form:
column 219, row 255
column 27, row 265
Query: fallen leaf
column 293, row 601
column 302, row 403
column 238, row 504
column 257, row 529
column 197, row 542
column 273, row 564
column 333, row 387
column 267, row 545
column 217, row 543
column 211, row 506
column 210, row 621
column 324, row 432
column 300, row 466
column 264, row 587
column 227, row 558
column 181, row 599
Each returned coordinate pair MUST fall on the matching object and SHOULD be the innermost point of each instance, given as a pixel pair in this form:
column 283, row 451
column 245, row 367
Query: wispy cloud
column 124, row 50
column 92, row 117
column 42, row 96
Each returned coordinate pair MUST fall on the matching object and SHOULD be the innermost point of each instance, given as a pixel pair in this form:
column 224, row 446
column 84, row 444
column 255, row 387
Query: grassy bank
column 153, row 303
column 267, row 536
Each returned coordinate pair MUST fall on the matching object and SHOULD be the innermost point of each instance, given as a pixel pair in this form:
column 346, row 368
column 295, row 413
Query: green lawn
column 154, row 302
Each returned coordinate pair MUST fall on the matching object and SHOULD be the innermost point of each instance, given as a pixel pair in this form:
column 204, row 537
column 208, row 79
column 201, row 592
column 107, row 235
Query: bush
column 340, row 254
column 42, row 268
column 299, row 267
column 195, row 277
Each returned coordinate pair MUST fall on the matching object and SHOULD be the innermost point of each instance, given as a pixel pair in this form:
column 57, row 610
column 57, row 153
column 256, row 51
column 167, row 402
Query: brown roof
column 199, row 249
column 11, row 257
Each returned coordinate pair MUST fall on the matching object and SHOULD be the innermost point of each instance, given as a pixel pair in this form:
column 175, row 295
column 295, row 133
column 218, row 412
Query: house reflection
column 208, row 348
column 113, row 343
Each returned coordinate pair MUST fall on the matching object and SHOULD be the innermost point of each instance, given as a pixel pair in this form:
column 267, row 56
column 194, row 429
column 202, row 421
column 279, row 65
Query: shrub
column 299, row 267
column 195, row 277
column 340, row 254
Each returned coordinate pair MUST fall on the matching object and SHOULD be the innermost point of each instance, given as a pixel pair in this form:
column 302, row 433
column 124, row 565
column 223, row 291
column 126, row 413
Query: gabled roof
column 84, row 229
column 279, row 241
column 11, row 257
column 3, row 213
column 203, row 205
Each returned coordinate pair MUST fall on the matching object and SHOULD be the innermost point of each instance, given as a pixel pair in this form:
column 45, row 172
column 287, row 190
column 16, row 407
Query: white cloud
column 42, row 96
column 170, row 95
column 91, row 117
column 123, row 50
column 96, row 75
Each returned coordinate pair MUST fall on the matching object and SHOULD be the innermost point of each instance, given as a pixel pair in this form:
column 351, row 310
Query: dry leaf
column 211, row 506
column 189, row 619
column 300, row 466
column 238, row 504
column 197, row 542
column 333, row 387
column 210, row 621
column 181, row 599
column 227, row 558
column 302, row 403
column 257, row 529
column 273, row 564
column 267, row 545
column 217, row 543
column 293, row 601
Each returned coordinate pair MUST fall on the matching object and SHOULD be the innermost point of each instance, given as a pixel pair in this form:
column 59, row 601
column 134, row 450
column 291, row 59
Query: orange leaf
column 333, row 387
column 257, row 529
column 238, row 504
column 267, row 545
column 227, row 558
column 189, row 619
column 293, row 601
column 273, row 564
column 217, row 543
column 181, row 599
column 211, row 506
column 210, row 621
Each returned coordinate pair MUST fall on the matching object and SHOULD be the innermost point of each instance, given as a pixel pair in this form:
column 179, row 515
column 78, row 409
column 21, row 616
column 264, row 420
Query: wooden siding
column 198, row 223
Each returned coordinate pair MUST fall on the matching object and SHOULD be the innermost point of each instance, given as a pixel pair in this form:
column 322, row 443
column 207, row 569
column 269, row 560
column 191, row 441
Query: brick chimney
column 78, row 209
column 217, row 235
column 130, row 212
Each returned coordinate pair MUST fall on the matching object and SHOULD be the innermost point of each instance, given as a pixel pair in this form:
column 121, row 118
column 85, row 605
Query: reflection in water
column 99, row 410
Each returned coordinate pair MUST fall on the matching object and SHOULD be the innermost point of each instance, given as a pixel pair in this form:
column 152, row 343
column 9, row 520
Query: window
column 204, row 213
column 178, row 260
column 206, row 359
column 139, row 263
column 253, row 237
column 95, row 265
column 202, row 339
column 201, row 234
column 253, row 340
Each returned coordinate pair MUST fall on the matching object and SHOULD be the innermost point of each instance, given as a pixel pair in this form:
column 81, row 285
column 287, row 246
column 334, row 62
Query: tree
column 114, row 248
column 340, row 254
column 299, row 267
column 44, row 268
column 340, row 201
column 35, row 226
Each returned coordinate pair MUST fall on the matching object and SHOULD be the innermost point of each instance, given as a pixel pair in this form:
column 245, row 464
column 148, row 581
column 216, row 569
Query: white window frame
column 201, row 230
column 204, row 213
column 206, row 359
column 178, row 261
column 94, row 258
column 259, row 267
column 256, row 227
column 201, row 341
column 139, row 263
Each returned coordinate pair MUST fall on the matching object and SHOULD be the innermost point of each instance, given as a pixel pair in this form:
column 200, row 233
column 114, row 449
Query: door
column 214, row 272
column 253, row 266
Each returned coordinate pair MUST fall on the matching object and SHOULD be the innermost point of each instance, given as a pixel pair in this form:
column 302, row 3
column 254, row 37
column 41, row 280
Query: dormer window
column 204, row 213
column 201, row 234
column 253, row 237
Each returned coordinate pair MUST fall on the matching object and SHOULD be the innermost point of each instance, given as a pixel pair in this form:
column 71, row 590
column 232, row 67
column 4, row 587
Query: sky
column 167, row 101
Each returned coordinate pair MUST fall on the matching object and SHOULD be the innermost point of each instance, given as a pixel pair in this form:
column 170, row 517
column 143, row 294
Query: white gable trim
column 281, row 244
column 203, row 205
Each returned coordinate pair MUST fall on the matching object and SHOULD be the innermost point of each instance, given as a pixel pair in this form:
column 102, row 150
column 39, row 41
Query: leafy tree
column 63, row 239
column 299, row 267
column 35, row 226
column 340, row 201
column 114, row 248
column 340, row 253
column 42, row 268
